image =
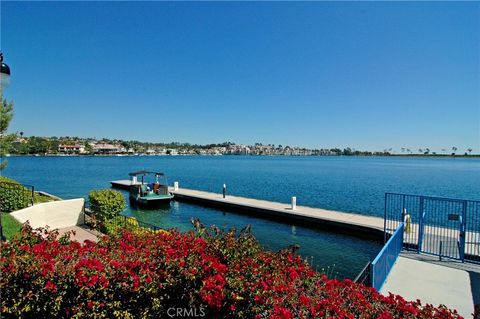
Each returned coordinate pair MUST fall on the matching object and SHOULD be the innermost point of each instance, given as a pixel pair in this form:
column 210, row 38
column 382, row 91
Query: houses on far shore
column 105, row 148
column 71, row 149
column 102, row 148
column 91, row 146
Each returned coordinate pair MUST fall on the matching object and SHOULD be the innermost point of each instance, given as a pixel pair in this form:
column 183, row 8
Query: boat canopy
column 144, row 172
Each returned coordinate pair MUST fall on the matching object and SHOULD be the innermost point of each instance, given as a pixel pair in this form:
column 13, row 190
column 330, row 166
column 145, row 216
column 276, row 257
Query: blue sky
column 316, row 74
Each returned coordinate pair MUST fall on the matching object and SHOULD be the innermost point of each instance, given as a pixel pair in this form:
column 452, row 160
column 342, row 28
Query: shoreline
column 244, row 155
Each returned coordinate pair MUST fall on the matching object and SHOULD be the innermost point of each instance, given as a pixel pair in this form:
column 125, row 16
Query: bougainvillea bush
column 207, row 273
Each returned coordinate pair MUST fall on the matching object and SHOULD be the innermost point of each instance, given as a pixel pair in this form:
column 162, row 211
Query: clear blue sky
column 317, row 74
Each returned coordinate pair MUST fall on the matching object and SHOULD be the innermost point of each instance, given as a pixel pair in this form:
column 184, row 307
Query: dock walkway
column 356, row 224
column 368, row 225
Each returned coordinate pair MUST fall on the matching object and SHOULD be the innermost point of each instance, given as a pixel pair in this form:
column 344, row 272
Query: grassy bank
column 10, row 225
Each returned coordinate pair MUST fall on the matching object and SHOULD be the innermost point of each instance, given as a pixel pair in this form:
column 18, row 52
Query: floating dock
column 349, row 223
column 353, row 224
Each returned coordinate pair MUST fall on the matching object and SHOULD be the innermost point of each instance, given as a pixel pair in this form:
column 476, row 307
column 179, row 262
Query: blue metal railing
column 444, row 227
column 383, row 263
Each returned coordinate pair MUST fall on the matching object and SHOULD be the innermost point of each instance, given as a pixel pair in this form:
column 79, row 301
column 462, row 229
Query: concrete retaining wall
column 57, row 214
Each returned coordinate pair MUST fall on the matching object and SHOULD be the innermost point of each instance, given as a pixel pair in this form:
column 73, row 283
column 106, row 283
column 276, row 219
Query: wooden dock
column 353, row 224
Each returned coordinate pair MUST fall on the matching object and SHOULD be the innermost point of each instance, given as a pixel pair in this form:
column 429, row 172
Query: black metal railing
column 115, row 224
column 364, row 276
column 14, row 196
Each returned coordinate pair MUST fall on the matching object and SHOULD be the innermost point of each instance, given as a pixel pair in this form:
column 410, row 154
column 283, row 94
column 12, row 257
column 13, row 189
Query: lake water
column 352, row 184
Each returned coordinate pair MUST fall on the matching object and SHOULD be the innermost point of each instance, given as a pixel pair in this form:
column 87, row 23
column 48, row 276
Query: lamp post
column 4, row 82
column 4, row 74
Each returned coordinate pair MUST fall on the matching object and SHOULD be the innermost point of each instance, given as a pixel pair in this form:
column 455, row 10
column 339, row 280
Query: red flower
column 51, row 286
column 305, row 301
column 222, row 273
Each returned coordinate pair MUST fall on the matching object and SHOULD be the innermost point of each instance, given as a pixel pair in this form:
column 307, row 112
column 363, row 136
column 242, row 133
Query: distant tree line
column 35, row 145
column 18, row 144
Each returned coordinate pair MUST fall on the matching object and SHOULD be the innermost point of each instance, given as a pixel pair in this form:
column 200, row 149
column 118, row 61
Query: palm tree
column 454, row 149
column 469, row 151
column 420, row 150
column 427, row 151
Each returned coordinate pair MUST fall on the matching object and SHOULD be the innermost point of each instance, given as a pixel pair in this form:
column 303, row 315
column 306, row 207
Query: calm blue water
column 354, row 184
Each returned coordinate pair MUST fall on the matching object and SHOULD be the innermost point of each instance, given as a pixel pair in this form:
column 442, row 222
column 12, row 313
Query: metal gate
column 444, row 227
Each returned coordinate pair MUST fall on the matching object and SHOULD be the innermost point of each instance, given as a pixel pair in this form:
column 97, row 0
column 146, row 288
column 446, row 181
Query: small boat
column 149, row 194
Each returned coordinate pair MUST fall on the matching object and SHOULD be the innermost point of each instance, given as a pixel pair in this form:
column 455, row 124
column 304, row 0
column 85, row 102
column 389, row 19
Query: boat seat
column 144, row 190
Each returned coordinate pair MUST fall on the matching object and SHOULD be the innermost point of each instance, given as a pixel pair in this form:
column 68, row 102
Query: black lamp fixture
column 4, row 82
column 4, row 73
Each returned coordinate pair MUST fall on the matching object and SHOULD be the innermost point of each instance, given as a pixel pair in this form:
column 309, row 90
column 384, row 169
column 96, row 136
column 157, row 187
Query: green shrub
column 106, row 203
column 13, row 196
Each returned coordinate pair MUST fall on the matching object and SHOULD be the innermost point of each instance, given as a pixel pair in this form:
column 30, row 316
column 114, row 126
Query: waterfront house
column 71, row 149
column 259, row 149
column 172, row 151
column 237, row 149
column 104, row 148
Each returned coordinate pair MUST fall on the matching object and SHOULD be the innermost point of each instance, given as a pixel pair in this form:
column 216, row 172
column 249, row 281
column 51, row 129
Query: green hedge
column 13, row 196
column 106, row 203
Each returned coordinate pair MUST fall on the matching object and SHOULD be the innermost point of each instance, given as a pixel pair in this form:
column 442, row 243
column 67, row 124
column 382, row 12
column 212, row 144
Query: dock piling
column 294, row 202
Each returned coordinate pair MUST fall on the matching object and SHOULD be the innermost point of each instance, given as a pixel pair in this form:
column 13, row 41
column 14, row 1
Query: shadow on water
column 475, row 286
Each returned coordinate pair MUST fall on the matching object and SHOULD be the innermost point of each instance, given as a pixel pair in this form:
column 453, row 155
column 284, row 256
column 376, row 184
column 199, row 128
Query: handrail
column 364, row 275
column 120, row 220
column 382, row 265
column 17, row 184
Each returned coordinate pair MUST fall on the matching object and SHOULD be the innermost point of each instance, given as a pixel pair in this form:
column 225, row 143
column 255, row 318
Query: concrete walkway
column 451, row 283
column 82, row 233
